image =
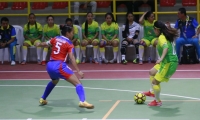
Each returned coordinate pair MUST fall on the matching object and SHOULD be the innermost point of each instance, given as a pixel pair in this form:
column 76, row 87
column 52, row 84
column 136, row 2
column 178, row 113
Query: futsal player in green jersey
column 75, row 40
column 167, row 64
column 50, row 30
column 147, row 20
column 90, row 31
column 32, row 35
column 109, row 31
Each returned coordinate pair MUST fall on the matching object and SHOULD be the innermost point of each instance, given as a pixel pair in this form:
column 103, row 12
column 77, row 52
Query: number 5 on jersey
column 58, row 44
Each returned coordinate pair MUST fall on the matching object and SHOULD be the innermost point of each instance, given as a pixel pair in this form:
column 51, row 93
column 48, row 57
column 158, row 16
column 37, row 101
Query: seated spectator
column 8, row 38
column 32, row 35
column 93, row 4
column 109, row 31
column 130, row 34
column 187, row 26
column 90, row 31
column 147, row 20
column 50, row 30
column 76, row 41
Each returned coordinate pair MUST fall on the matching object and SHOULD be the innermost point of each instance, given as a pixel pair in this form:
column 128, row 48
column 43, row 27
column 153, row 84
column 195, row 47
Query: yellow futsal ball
column 140, row 98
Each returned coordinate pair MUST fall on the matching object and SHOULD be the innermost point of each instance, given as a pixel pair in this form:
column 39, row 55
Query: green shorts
column 149, row 42
column 29, row 42
column 165, row 71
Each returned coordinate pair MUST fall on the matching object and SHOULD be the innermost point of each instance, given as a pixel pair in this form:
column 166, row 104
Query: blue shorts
column 58, row 69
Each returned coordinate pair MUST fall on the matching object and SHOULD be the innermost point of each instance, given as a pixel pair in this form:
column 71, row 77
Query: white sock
column 95, row 49
column 77, row 50
column 38, row 52
column 123, row 57
column 24, row 52
column 141, row 51
column 45, row 51
column 102, row 55
column 137, row 56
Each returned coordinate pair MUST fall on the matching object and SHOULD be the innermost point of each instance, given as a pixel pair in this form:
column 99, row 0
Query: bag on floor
column 189, row 55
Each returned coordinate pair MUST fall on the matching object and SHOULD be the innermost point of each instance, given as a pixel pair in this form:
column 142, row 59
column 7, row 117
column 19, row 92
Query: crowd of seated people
column 34, row 33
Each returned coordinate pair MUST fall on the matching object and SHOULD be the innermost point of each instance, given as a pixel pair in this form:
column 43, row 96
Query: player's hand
column 195, row 36
column 158, row 61
column 90, row 41
column 37, row 44
column 168, row 24
column 32, row 41
column 3, row 45
column 130, row 39
column 81, row 74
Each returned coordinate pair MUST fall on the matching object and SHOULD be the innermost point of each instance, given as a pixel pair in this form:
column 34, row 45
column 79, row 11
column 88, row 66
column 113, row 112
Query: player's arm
column 44, row 44
column 165, row 50
column 71, row 56
column 165, row 47
column 198, row 31
column 97, row 33
column 141, row 20
column 116, row 31
column 13, row 35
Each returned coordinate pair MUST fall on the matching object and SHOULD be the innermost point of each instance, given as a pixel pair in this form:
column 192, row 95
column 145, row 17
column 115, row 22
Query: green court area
column 113, row 99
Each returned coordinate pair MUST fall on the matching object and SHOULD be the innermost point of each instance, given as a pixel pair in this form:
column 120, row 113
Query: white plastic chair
column 20, row 39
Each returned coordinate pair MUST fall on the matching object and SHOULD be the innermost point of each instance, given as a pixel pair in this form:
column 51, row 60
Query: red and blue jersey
column 61, row 46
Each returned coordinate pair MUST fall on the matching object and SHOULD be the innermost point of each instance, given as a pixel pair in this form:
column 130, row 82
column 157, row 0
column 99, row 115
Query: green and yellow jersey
column 171, row 53
column 149, row 30
column 51, row 32
column 92, row 29
column 33, row 31
column 109, row 30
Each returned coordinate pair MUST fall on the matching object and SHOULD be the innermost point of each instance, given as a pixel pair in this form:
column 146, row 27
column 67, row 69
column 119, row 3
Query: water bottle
column 149, row 59
column 100, row 60
column 90, row 59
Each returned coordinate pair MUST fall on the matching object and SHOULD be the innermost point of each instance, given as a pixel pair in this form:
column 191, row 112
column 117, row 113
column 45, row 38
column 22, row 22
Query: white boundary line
column 106, row 89
column 29, row 71
column 73, row 119
column 107, row 79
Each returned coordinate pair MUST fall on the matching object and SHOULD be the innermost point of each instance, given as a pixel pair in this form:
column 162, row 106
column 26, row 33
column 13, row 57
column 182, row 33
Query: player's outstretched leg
column 80, row 92
column 150, row 93
column 156, row 89
column 152, row 73
column 47, row 91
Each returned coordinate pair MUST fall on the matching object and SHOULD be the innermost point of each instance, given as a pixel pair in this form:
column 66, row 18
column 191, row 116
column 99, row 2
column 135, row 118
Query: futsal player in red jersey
column 57, row 67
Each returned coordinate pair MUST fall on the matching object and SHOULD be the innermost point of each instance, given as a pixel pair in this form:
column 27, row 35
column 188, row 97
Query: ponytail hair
column 170, row 34
column 28, row 25
column 86, row 25
column 127, row 23
column 65, row 29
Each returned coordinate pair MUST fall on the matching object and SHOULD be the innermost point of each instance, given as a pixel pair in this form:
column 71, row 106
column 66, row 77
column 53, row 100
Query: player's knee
column 83, row 44
column 152, row 72
column 102, row 43
column 76, row 43
column 55, row 82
